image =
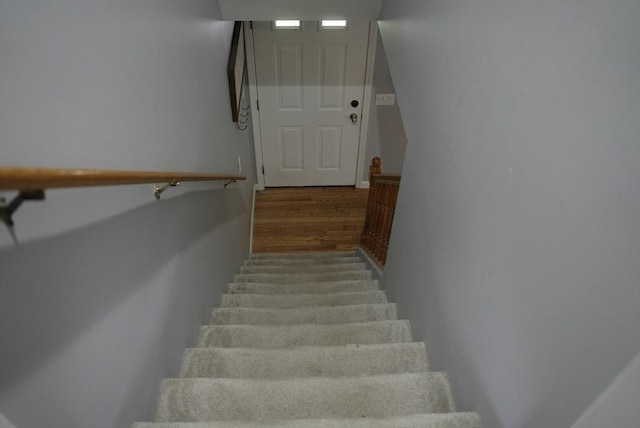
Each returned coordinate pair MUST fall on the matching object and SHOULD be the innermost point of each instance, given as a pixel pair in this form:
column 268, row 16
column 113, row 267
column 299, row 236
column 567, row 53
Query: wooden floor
column 308, row 219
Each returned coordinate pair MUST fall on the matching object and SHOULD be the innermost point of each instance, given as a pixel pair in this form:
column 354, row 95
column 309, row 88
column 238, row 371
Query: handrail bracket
column 8, row 209
column 158, row 190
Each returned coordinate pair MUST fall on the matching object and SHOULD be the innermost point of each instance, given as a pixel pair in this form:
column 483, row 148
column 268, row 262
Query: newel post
column 375, row 168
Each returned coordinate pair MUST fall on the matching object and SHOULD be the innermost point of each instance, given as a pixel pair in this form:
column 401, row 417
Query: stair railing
column 381, row 206
column 32, row 182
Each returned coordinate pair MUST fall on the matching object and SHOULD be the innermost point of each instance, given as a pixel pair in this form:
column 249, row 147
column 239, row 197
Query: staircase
column 307, row 340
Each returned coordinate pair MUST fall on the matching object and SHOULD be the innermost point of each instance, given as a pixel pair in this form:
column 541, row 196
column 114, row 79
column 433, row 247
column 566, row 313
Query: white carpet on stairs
column 307, row 340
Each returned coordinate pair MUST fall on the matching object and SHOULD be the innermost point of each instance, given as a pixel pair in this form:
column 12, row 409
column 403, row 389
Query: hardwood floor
column 292, row 219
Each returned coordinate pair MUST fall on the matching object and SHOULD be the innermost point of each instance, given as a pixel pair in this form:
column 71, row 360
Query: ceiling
column 310, row 10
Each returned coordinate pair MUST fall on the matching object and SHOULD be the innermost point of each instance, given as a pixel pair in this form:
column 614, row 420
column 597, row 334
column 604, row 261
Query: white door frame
column 366, row 104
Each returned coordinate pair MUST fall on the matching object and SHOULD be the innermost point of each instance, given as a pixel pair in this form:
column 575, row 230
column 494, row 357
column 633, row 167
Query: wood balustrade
column 381, row 206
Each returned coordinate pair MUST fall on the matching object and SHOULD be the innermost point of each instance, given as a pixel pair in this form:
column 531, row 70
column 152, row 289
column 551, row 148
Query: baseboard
column 363, row 185
column 371, row 264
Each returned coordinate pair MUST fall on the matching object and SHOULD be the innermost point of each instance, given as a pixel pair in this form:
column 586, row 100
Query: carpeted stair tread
column 296, row 262
column 304, row 268
column 345, row 360
column 293, row 300
column 307, row 340
column 278, row 336
column 204, row 399
column 309, row 287
column 288, row 278
column 429, row 420
column 305, row 315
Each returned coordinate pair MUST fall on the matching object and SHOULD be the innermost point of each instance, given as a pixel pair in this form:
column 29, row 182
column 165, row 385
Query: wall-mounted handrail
column 23, row 179
column 32, row 182
column 381, row 206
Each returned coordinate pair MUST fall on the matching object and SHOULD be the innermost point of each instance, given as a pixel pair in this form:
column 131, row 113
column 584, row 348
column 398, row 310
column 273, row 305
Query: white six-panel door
column 307, row 80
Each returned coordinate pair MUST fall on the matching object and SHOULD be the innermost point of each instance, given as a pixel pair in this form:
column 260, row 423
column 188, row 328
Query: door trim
column 363, row 183
column 253, row 102
column 366, row 104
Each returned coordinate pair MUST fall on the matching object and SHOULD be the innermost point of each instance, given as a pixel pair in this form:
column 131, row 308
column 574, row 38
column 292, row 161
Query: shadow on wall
column 5, row 423
column 386, row 137
column 124, row 280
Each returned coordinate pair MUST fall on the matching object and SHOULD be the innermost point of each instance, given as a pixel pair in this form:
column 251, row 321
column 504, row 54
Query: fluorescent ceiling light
column 287, row 23
column 334, row 23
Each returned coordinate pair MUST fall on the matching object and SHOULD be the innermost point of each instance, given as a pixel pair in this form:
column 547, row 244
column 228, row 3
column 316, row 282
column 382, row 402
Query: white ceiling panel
column 310, row 10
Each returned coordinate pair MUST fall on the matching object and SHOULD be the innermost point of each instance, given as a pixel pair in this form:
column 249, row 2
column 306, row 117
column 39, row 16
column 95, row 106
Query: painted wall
column 516, row 243
column 108, row 285
column 385, row 133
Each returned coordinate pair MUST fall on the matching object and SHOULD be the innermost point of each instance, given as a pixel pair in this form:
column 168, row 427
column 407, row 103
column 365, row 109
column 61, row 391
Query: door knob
column 354, row 118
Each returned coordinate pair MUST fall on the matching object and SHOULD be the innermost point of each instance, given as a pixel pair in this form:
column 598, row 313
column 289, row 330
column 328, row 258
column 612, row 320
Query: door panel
column 332, row 75
column 291, row 148
column 306, row 80
column 288, row 63
column 330, row 145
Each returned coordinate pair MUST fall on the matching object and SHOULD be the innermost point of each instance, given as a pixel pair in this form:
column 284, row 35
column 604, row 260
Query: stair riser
column 351, row 360
column 293, row 300
column 304, row 335
column 305, row 255
column 345, row 267
column 374, row 396
column 292, row 278
column 298, row 262
column 310, row 288
column 308, row 315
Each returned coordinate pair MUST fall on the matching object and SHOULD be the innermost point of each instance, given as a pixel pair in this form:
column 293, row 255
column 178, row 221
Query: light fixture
column 288, row 24
column 334, row 23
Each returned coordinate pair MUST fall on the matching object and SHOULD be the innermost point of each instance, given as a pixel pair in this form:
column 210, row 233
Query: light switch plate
column 385, row 99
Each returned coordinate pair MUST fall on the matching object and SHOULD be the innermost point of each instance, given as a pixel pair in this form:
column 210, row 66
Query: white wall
column 516, row 243
column 385, row 133
column 108, row 285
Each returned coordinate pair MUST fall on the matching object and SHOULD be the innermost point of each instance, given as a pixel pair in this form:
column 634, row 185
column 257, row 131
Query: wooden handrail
column 26, row 179
column 386, row 178
column 381, row 205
